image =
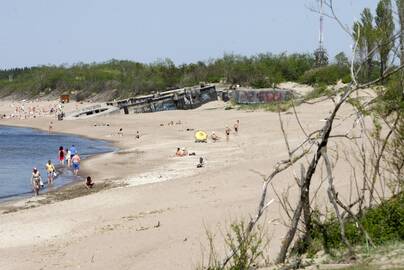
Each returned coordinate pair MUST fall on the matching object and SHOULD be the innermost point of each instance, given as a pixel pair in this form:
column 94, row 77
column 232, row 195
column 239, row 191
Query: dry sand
column 158, row 220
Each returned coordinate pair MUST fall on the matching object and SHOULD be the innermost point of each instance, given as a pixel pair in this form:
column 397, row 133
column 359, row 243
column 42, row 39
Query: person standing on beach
column 50, row 169
column 68, row 157
column 76, row 163
column 61, row 155
column 36, row 181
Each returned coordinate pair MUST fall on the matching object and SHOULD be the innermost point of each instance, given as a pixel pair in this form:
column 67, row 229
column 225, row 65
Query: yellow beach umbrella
column 201, row 136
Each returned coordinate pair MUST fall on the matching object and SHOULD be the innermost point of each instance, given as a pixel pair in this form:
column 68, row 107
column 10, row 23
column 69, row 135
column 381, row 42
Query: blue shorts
column 76, row 166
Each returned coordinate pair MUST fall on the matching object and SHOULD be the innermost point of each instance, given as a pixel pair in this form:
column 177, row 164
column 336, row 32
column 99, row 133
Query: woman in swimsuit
column 36, row 181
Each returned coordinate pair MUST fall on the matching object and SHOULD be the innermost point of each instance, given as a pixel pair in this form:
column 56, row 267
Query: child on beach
column 36, row 181
column 89, row 182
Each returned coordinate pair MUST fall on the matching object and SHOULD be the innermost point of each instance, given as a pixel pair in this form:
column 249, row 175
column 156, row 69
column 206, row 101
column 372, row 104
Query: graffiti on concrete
column 261, row 96
column 180, row 99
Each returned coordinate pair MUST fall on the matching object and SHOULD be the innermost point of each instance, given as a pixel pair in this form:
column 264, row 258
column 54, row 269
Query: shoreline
column 7, row 203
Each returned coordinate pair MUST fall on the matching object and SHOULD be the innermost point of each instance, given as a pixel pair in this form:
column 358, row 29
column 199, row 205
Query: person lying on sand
column 89, row 182
column 179, row 152
column 183, row 152
column 120, row 132
column 137, row 135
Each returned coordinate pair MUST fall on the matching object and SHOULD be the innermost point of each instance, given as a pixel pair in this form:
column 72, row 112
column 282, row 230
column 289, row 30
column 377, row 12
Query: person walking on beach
column 76, row 163
column 236, row 126
column 227, row 131
column 68, row 157
column 50, row 169
column 36, row 181
column 50, row 127
column 73, row 151
column 62, row 155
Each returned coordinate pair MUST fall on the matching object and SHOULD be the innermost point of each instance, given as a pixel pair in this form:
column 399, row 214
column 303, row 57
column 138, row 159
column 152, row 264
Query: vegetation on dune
column 129, row 78
column 384, row 223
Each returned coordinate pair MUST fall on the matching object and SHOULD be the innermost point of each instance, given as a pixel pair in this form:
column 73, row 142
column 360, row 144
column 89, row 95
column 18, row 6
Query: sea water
column 22, row 149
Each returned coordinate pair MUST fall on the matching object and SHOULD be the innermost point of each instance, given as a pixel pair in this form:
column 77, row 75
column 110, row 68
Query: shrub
column 246, row 248
column 330, row 74
column 384, row 223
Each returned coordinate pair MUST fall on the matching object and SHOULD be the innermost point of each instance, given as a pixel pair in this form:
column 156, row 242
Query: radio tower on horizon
column 320, row 54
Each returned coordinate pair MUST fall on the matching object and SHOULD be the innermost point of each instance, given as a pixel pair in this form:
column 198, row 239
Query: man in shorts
column 76, row 163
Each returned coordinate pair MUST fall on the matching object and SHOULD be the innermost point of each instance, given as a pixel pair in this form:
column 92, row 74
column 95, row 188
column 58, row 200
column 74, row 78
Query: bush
column 384, row 223
column 246, row 248
column 325, row 75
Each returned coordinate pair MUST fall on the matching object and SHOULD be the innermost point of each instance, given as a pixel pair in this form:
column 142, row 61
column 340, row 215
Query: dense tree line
column 131, row 78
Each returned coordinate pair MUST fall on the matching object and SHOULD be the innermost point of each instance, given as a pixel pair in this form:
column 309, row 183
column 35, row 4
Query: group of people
column 71, row 157
column 66, row 156
column 29, row 109
column 227, row 132
column 36, row 178
column 120, row 133
column 182, row 152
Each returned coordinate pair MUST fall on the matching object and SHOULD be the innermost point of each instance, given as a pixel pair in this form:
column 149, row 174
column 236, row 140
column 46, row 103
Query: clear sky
column 36, row 32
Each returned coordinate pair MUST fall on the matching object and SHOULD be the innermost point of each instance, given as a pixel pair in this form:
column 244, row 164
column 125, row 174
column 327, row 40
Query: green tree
column 341, row 59
column 369, row 40
column 384, row 32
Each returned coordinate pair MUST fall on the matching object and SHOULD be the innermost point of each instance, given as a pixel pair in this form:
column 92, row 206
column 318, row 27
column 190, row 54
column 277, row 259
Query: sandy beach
column 158, row 207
